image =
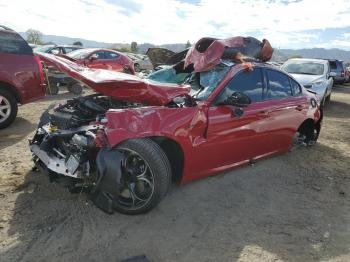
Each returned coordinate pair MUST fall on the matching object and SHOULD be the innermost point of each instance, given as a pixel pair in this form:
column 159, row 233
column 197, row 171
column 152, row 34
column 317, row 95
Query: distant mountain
column 319, row 53
column 279, row 54
column 63, row 40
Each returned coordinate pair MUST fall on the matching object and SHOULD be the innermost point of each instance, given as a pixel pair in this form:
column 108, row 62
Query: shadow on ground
column 19, row 129
column 290, row 207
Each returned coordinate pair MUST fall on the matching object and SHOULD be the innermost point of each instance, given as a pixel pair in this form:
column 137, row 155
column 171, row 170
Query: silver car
column 141, row 62
column 313, row 74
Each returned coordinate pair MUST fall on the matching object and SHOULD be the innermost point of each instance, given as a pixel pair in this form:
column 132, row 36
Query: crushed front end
column 69, row 146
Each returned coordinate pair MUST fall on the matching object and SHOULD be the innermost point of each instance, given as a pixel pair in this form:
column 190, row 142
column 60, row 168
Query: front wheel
column 146, row 176
column 8, row 108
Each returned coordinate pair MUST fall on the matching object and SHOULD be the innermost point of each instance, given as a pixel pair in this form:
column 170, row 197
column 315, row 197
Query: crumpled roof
column 208, row 52
column 119, row 85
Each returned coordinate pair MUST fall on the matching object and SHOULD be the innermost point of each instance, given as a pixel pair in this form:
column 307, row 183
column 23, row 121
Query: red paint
column 119, row 64
column 119, row 85
column 207, row 52
column 24, row 75
column 211, row 137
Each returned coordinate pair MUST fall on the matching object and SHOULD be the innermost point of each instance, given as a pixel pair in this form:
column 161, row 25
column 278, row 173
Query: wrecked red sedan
column 125, row 144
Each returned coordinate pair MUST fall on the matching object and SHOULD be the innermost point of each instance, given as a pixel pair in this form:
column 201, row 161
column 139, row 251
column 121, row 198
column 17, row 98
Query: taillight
column 41, row 71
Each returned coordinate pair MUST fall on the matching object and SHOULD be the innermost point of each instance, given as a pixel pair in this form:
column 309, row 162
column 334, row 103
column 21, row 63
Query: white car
column 313, row 74
column 141, row 62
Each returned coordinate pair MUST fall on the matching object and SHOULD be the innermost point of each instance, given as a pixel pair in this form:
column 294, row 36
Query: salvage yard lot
column 293, row 207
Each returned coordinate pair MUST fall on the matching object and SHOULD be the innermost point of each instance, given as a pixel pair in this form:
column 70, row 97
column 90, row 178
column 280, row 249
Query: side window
column 100, row 55
column 296, row 90
column 250, row 83
column 110, row 55
column 13, row 43
column 279, row 85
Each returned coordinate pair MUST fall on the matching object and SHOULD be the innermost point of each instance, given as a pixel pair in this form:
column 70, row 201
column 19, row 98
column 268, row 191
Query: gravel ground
column 293, row 207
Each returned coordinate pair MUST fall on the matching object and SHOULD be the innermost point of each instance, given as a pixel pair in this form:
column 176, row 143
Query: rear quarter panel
column 22, row 72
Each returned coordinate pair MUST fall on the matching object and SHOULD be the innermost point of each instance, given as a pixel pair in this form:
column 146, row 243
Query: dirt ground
column 294, row 207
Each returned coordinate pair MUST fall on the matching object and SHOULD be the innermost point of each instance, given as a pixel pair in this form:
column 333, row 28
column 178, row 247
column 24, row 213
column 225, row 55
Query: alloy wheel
column 137, row 182
column 5, row 109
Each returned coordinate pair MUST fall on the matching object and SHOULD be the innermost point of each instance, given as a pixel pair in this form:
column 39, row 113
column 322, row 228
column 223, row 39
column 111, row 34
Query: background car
column 141, row 62
column 103, row 59
column 338, row 67
column 347, row 74
column 56, row 49
column 313, row 74
column 21, row 75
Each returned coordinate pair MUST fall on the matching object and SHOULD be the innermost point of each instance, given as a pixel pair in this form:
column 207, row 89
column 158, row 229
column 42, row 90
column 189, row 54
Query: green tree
column 34, row 36
column 78, row 43
column 134, row 47
column 188, row 44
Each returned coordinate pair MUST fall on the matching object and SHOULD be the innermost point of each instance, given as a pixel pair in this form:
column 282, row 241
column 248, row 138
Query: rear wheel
column 75, row 88
column 8, row 108
column 307, row 133
column 146, row 176
column 52, row 89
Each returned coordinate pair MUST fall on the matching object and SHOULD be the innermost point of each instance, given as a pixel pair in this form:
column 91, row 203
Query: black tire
column 75, row 88
column 137, row 67
column 53, row 89
column 159, row 166
column 8, row 100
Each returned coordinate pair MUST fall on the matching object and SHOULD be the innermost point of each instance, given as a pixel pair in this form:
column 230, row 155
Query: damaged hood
column 306, row 79
column 118, row 85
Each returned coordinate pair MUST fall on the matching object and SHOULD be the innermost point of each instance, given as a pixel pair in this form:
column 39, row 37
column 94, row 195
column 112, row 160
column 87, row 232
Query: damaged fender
column 106, row 190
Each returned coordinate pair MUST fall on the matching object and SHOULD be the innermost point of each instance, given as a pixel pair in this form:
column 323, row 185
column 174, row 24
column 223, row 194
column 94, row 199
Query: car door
column 232, row 139
column 113, row 61
column 97, row 60
column 287, row 109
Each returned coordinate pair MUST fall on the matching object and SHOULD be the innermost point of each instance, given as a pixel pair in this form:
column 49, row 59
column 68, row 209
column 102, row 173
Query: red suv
column 21, row 75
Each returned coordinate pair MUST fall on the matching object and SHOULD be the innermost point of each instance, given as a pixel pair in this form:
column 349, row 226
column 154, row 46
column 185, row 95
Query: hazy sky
column 287, row 24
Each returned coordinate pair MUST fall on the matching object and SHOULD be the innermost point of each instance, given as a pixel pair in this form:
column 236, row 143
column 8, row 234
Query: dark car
column 338, row 67
column 125, row 144
column 21, row 75
column 56, row 49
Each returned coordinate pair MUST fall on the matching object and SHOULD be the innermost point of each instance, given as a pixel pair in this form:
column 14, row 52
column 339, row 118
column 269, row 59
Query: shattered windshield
column 304, row 68
column 202, row 83
column 206, row 82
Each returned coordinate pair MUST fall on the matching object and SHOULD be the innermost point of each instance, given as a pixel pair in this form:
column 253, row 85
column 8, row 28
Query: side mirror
column 238, row 99
column 332, row 74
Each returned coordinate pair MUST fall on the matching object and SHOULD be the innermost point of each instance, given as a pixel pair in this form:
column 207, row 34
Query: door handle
column 299, row 107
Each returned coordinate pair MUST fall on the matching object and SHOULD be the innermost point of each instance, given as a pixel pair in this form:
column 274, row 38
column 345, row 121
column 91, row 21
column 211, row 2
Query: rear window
column 13, row 43
column 333, row 64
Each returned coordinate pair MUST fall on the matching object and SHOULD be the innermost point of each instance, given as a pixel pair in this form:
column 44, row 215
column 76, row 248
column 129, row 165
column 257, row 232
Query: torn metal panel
column 208, row 52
